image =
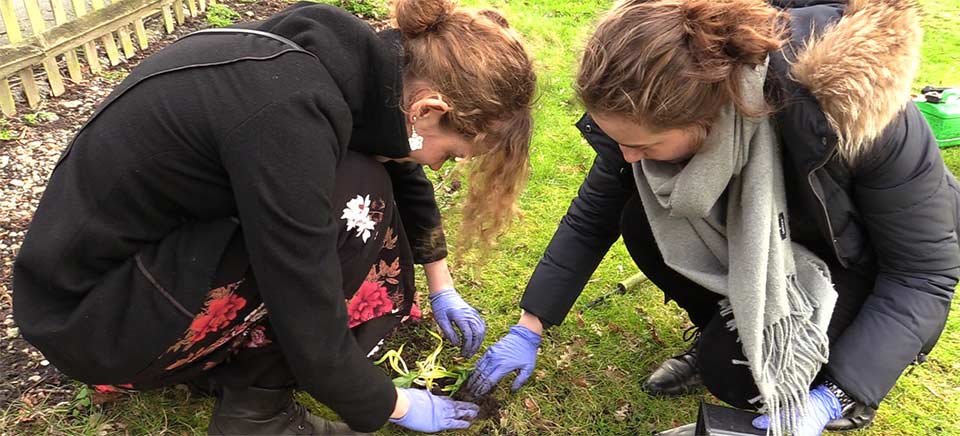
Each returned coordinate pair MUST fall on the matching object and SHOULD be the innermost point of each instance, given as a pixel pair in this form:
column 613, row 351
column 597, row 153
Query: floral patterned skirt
column 376, row 264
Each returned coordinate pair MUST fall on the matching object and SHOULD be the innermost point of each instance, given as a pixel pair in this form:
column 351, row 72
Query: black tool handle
column 928, row 89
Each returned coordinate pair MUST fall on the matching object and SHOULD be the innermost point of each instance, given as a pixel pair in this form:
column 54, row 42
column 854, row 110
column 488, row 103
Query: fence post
column 90, row 48
column 167, row 18
column 73, row 63
column 125, row 42
column 109, row 43
column 14, row 35
column 50, row 63
column 178, row 11
column 192, row 7
column 7, row 103
column 141, row 31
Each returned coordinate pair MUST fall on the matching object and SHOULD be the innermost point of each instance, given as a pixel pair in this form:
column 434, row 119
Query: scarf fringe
column 793, row 350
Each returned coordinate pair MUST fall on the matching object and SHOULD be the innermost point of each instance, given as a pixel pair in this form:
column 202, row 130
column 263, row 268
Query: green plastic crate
column 941, row 108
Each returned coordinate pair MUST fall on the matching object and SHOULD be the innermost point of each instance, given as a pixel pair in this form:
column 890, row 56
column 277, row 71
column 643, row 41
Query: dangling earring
column 416, row 141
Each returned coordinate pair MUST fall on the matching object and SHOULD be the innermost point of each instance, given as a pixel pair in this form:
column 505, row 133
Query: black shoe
column 677, row 375
column 259, row 411
column 854, row 417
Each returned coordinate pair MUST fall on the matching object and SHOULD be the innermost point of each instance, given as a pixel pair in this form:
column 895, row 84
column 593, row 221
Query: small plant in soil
column 5, row 133
column 369, row 9
column 372, row 9
column 81, row 402
column 114, row 76
column 38, row 117
column 219, row 15
column 428, row 373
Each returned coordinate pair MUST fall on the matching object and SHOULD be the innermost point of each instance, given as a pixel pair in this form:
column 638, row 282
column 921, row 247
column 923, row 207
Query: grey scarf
column 720, row 220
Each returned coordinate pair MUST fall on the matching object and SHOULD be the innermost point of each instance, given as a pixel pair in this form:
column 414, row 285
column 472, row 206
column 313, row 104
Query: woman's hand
column 516, row 351
column 822, row 407
column 449, row 309
column 430, row 413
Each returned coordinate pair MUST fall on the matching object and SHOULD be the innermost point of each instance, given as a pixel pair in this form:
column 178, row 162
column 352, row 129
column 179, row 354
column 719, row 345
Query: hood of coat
column 861, row 68
column 365, row 65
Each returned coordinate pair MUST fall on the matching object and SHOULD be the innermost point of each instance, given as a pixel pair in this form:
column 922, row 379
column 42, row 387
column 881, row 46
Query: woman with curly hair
column 248, row 205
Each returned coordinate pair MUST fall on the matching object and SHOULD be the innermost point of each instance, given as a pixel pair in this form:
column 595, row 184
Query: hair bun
column 416, row 17
column 723, row 31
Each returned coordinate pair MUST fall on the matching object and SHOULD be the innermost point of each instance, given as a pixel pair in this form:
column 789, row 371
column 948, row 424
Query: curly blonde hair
column 478, row 65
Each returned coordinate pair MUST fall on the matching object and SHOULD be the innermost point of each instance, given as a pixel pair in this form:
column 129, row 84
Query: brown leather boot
column 260, row 411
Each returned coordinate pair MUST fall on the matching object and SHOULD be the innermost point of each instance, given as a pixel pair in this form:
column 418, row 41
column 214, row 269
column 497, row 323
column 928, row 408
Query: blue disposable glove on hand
column 822, row 407
column 516, row 351
column 448, row 309
column 430, row 413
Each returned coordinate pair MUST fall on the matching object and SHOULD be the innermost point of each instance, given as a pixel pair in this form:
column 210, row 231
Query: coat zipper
column 823, row 207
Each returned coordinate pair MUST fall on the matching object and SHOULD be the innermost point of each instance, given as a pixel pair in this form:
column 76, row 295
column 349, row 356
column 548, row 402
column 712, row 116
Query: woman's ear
column 428, row 110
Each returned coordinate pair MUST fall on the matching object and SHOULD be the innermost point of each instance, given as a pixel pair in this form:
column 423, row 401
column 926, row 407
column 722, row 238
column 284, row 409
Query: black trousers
column 718, row 346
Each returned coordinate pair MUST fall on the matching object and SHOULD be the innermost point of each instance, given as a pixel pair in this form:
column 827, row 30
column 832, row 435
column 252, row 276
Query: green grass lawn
column 590, row 368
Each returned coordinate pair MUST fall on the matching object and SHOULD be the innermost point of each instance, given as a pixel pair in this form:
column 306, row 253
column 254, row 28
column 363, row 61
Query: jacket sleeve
column 586, row 232
column 908, row 202
column 415, row 198
column 281, row 163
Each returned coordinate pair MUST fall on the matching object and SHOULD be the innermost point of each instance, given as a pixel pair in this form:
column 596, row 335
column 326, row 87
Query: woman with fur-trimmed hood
column 768, row 172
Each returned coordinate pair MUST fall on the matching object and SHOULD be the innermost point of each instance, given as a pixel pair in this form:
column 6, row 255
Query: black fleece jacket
column 212, row 127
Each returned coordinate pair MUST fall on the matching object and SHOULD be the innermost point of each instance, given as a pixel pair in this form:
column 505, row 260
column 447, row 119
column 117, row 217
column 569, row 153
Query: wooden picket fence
column 63, row 43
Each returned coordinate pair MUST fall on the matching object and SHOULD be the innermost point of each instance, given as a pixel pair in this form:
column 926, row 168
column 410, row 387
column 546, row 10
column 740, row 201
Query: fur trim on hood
column 862, row 68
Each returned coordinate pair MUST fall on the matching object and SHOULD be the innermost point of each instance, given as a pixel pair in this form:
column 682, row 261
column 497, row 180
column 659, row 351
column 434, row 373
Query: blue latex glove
column 822, row 407
column 448, row 309
column 430, row 413
column 516, row 351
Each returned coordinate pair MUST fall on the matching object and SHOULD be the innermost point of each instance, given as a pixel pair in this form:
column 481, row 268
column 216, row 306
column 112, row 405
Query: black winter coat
column 890, row 212
column 212, row 127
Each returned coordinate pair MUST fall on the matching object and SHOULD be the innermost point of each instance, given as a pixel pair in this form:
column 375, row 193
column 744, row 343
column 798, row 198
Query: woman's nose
column 631, row 155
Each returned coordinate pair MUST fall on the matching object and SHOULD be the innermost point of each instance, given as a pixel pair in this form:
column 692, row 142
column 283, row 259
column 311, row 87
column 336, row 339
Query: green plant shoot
column 427, row 372
column 38, row 117
column 370, row 9
column 5, row 133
